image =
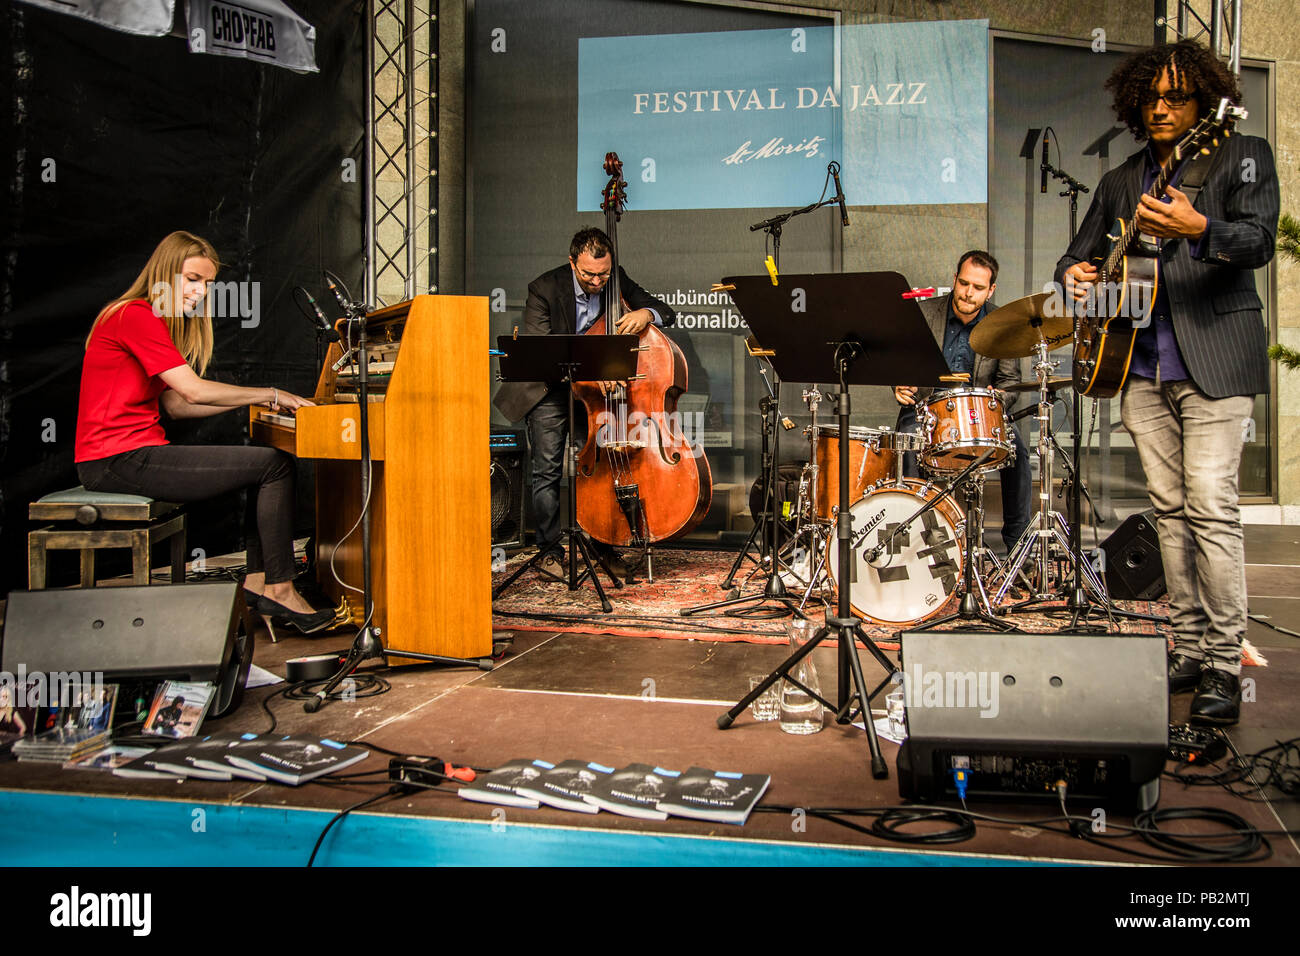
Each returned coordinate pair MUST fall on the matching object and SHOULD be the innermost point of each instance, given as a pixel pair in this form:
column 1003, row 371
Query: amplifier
column 507, row 486
column 1134, row 569
column 172, row 632
column 1018, row 712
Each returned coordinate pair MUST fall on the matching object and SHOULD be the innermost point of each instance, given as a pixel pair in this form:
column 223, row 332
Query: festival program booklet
column 218, row 758
column 715, row 795
column 296, row 759
column 634, row 791
column 566, row 784
column 197, row 756
column 502, row 785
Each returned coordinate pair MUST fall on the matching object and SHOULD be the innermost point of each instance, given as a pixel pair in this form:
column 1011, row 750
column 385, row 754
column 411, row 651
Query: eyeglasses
column 591, row 276
column 1174, row 99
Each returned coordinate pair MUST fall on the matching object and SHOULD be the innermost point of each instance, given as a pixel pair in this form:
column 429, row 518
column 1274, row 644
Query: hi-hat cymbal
column 1053, row 385
column 1014, row 330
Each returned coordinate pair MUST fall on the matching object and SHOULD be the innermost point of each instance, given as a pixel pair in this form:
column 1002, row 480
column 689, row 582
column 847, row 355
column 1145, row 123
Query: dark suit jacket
column 986, row 371
column 552, row 307
column 1216, row 312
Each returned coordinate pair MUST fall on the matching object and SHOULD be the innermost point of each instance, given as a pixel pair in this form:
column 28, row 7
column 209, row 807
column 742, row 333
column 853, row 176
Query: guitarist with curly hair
column 1194, row 358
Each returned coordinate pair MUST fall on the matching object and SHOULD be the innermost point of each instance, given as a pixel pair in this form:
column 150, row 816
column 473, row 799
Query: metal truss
column 401, row 149
column 1225, row 15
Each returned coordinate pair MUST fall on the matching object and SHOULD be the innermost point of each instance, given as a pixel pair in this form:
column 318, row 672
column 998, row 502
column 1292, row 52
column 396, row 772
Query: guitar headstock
column 1211, row 126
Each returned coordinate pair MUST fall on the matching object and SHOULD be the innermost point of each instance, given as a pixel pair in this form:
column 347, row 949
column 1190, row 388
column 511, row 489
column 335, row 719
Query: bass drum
column 909, row 583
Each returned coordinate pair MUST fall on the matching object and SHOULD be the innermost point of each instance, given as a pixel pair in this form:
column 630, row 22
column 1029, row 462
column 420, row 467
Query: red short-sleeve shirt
column 118, row 409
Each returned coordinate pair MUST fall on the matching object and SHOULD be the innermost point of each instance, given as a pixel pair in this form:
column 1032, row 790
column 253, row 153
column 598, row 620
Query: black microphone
column 344, row 304
column 322, row 322
column 839, row 192
column 1042, row 185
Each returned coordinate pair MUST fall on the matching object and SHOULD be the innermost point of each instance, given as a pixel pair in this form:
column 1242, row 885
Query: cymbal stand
column 1081, row 601
column 1048, row 527
column 806, row 521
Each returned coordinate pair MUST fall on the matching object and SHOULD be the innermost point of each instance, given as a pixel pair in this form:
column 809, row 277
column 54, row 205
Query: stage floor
column 614, row 700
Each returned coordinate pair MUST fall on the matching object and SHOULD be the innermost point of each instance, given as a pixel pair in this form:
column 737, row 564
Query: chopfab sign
column 233, row 27
column 264, row 30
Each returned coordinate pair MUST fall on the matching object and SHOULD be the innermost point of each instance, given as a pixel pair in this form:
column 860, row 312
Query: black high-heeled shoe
column 304, row 622
column 254, row 602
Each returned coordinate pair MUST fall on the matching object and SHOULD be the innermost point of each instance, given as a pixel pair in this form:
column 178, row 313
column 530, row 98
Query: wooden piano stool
column 89, row 521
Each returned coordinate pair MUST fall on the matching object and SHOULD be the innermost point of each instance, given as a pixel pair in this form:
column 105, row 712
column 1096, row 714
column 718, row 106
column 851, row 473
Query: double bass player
column 566, row 300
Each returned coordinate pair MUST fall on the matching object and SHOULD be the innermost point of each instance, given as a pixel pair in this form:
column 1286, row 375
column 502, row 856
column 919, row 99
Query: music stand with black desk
column 569, row 358
column 860, row 329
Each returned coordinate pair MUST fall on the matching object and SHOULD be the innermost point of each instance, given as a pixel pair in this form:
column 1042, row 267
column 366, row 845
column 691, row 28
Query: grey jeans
column 1190, row 449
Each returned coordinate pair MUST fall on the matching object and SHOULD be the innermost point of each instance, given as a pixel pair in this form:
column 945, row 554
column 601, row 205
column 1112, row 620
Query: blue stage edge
column 59, row 829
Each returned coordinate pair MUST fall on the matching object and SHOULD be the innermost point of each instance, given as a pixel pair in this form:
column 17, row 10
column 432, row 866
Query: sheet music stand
column 569, row 358
column 860, row 327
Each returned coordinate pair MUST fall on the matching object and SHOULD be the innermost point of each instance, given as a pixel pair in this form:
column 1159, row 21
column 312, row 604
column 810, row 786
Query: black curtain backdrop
column 118, row 140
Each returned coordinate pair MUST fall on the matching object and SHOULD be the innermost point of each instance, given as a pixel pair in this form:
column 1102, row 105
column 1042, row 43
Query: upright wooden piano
column 430, row 485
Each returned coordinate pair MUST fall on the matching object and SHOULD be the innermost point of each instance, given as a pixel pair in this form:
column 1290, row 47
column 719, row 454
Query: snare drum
column 914, row 577
column 875, row 458
column 959, row 425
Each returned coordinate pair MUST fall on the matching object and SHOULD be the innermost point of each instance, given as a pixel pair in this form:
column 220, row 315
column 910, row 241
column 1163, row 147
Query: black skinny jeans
column 194, row 472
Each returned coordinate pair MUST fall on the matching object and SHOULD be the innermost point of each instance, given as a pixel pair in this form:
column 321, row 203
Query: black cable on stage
column 363, row 685
column 390, row 792
column 1277, row 766
column 889, row 825
column 1250, row 846
column 1261, row 619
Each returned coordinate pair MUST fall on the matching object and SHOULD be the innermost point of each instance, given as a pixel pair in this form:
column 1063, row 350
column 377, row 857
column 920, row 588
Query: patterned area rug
column 687, row 579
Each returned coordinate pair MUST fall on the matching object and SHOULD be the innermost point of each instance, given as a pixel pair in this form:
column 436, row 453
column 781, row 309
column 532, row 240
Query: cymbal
column 1014, row 330
column 1053, row 385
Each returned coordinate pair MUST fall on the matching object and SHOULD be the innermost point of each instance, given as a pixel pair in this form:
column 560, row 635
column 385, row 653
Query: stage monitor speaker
column 1019, row 712
column 507, row 489
column 1134, row 570
column 174, row 632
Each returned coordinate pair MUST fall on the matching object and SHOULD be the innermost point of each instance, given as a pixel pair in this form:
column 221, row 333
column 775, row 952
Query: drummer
column 951, row 319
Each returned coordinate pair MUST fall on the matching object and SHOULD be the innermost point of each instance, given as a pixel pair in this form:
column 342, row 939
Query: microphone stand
column 1079, row 603
column 367, row 643
column 770, row 407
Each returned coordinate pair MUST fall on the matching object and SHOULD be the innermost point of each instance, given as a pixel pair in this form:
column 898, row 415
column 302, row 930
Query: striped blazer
column 1216, row 312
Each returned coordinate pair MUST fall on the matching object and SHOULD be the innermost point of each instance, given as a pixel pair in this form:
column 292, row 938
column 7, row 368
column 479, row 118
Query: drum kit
column 914, row 546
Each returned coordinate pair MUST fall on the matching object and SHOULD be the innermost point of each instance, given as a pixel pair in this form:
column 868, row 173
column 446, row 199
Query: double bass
column 639, row 479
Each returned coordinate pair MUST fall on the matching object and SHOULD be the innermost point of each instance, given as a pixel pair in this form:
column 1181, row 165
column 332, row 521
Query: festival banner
column 751, row 118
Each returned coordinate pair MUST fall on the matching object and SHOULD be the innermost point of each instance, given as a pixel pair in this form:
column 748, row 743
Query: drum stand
column 972, row 611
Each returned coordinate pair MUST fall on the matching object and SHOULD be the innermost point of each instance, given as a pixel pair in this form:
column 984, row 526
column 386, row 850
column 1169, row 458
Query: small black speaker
column 507, row 490
column 1019, row 712
column 1134, row 570
column 168, row 632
